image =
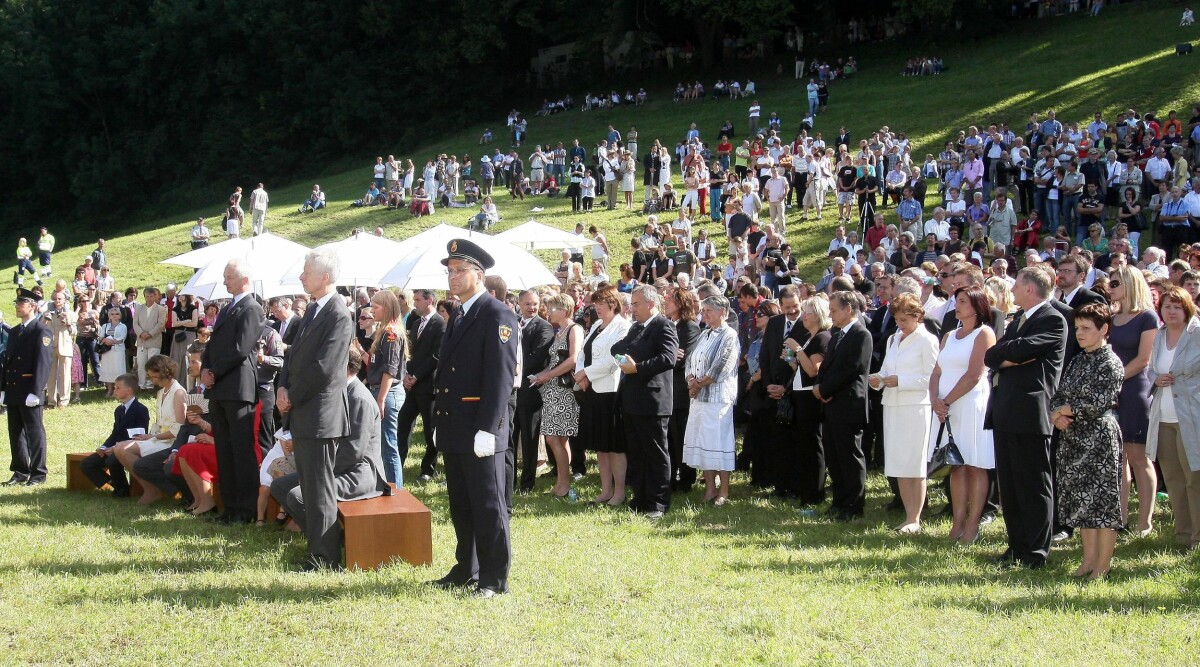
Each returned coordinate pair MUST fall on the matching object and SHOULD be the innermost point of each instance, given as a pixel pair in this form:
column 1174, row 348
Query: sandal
column 281, row 518
column 260, row 523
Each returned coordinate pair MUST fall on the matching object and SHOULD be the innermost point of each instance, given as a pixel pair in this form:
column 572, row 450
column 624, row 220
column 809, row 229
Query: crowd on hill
column 1000, row 277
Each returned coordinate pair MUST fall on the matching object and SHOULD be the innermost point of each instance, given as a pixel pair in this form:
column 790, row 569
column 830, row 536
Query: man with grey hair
column 312, row 388
column 647, row 358
column 284, row 317
column 229, row 370
column 1025, row 364
column 842, row 387
column 1153, row 261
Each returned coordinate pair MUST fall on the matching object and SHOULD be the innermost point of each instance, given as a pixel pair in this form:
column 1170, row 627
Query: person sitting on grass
column 315, row 201
column 371, row 198
column 102, row 466
column 421, row 204
column 470, row 192
column 395, row 196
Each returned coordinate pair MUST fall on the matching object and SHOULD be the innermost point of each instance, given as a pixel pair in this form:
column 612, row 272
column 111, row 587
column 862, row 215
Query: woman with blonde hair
column 597, row 375
column 999, row 294
column 385, row 368
column 560, row 412
column 1131, row 336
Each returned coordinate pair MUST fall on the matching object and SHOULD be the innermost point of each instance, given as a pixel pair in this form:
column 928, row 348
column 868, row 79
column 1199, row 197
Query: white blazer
column 603, row 372
column 912, row 363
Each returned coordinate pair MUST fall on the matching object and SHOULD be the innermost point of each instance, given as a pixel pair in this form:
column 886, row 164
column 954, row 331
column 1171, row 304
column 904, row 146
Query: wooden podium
column 382, row 529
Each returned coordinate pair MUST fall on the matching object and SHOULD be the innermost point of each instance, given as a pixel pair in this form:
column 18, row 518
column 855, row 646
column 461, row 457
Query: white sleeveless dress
column 966, row 414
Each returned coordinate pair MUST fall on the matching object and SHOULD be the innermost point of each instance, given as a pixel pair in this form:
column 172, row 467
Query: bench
column 382, row 529
column 77, row 481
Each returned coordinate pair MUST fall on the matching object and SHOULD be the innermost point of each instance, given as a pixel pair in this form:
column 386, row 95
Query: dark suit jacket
column 879, row 334
column 649, row 391
column 288, row 336
column 137, row 416
column 1025, row 390
column 843, row 376
column 999, row 322
column 358, row 463
column 475, row 377
column 774, row 369
column 687, row 332
column 314, row 372
column 426, row 351
column 932, row 326
column 536, row 338
column 231, row 352
column 26, row 362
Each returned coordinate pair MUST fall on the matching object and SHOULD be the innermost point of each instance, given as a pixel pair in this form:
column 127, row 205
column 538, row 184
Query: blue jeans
column 812, row 105
column 1070, row 217
column 393, row 470
column 1039, row 203
column 1053, row 213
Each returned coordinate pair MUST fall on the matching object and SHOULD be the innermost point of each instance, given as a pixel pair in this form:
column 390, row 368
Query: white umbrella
column 202, row 286
column 537, row 236
column 422, row 267
column 262, row 246
column 365, row 258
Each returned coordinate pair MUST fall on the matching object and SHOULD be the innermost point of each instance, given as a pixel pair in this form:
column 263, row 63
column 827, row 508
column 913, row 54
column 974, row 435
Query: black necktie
column 455, row 315
column 833, row 342
column 120, row 413
column 310, row 313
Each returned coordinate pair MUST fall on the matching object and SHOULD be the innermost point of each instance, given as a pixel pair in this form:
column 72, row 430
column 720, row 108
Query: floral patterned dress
column 1089, row 452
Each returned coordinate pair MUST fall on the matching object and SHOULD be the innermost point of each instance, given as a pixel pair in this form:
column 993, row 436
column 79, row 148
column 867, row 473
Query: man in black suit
column 102, row 466
column 1025, row 365
column 230, row 371
column 1068, row 278
column 536, row 337
column 881, row 326
column 283, row 317
column 842, row 387
column 783, row 456
column 312, row 390
column 425, row 329
column 646, row 391
column 26, row 371
column 474, row 383
column 358, row 461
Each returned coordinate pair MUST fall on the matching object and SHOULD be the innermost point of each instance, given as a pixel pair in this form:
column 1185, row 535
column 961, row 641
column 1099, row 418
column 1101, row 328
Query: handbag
column 785, row 412
column 101, row 348
column 945, row 455
column 180, row 336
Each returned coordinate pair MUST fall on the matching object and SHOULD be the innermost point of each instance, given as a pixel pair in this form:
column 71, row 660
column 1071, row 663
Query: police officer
column 472, row 420
column 26, row 371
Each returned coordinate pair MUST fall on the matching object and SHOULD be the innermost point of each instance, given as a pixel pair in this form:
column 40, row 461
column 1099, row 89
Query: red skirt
column 200, row 457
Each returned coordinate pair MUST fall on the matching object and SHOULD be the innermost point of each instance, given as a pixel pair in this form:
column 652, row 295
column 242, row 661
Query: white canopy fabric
column 264, row 246
column 267, row 289
column 421, row 267
column 365, row 258
column 534, row 235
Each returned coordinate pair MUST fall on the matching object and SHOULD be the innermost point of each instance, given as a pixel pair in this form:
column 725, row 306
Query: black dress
column 598, row 428
column 1089, row 454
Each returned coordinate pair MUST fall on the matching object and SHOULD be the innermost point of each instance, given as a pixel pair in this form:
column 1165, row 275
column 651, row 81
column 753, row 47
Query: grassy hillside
column 1075, row 64
column 86, row 579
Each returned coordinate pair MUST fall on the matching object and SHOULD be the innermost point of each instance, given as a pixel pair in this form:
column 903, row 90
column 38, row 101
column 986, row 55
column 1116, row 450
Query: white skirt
column 112, row 364
column 148, row 447
column 906, row 440
column 708, row 440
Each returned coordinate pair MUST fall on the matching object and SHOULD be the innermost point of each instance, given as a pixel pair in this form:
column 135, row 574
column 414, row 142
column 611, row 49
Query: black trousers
column 873, row 431
column 1170, row 238
column 803, row 473
column 510, row 456
column 26, row 440
column 314, row 502
column 475, row 491
column 102, row 469
column 683, row 476
column 527, row 428
column 417, row 405
column 153, row 470
column 1026, row 494
column 649, row 471
column 847, row 466
column 264, row 420
column 755, row 448
column 237, row 459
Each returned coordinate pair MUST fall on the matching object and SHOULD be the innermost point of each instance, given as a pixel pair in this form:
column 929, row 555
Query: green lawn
column 88, row 579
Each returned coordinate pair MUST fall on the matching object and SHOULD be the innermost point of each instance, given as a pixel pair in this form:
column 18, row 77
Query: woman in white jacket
column 597, row 375
column 904, row 379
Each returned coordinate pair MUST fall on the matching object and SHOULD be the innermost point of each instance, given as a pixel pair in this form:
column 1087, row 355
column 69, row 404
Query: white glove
column 1, row 397
column 32, row 401
column 485, row 444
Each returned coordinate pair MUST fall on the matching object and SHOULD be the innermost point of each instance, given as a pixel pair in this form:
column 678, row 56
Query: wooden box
column 382, row 529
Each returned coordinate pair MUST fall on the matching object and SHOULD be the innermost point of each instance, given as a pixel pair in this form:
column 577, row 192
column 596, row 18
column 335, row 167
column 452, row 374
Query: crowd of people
column 1007, row 282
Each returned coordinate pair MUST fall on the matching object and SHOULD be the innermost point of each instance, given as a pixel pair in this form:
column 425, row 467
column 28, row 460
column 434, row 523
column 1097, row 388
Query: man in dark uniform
column 26, row 371
column 474, row 382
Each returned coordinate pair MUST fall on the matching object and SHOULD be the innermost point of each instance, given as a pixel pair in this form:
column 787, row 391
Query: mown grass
column 87, row 579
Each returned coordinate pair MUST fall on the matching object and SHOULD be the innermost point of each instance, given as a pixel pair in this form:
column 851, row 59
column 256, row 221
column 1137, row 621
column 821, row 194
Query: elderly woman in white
column 597, row 375
column 711, row 368
column 904, row 379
